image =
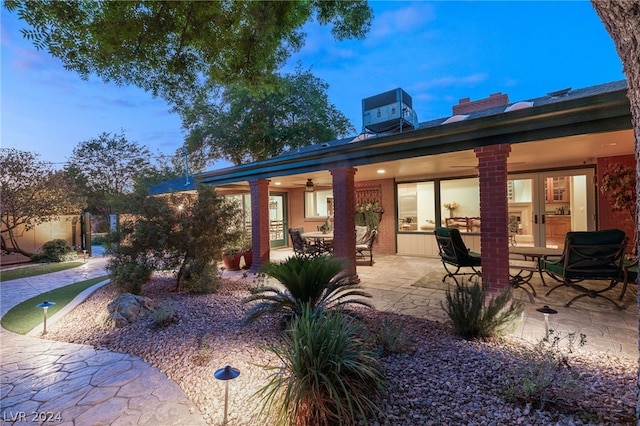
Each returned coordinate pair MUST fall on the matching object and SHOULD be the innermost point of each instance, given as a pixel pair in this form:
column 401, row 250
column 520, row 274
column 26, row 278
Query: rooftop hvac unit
column 392, row 110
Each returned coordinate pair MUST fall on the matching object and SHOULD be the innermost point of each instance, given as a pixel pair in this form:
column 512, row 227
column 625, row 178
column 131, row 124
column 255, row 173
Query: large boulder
column 126, row 308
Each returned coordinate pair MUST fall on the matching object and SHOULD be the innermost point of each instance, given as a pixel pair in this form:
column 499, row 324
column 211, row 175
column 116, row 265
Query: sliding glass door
column 544, row 206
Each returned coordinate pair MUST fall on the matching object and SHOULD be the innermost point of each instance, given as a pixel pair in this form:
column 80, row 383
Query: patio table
column 324, row 241
column 535, row 254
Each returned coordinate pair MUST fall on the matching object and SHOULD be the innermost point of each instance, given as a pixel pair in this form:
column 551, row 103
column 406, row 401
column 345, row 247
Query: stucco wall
column 33, row 239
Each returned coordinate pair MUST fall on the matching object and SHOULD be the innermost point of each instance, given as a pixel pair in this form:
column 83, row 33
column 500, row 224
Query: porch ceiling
column 561, row 152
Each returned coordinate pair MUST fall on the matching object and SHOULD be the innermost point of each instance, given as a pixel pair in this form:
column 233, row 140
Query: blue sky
column 438, row 52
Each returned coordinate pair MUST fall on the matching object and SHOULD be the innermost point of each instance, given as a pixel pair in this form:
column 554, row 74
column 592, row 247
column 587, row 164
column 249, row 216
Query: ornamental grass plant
column 328, row 373
column 471, row 316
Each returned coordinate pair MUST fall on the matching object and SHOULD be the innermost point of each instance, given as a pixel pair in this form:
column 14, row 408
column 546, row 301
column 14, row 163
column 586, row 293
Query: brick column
column 260, row 241
column 344, row 223
column 494, row 243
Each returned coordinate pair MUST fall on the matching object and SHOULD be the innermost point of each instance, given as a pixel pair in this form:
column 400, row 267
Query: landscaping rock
column 126, row 308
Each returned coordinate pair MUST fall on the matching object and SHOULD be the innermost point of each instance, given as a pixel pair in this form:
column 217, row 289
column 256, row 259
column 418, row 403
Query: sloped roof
column 597, row 108
column 178, row 184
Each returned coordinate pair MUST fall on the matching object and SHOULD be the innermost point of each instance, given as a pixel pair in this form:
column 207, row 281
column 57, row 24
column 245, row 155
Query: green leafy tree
column 106, row 169
column 31, row 193
column 242, row 125
column 182, row 231
column 172, row 49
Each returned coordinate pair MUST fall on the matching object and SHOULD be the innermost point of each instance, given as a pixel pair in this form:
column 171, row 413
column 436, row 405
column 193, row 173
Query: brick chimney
column 465, row 105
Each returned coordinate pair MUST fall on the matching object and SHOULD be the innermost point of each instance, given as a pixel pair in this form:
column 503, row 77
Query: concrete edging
column 37, row 330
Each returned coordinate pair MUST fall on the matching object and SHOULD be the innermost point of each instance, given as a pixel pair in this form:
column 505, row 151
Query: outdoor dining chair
column 365, row 245
column 456, row 258
column 300, row 246
column 630, row 275
column 589, row 256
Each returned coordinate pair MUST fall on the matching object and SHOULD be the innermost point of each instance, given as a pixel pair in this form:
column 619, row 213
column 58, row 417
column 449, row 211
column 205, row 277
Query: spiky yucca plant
column 319, row 282
column 328, row 374
column 472, row 317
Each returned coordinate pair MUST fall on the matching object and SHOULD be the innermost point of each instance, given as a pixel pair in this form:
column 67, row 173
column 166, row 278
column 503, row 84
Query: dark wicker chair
column 456, row 257
column 589, row 256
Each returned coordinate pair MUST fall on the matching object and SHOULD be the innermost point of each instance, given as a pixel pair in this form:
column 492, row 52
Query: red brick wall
column 296, row 212
column 492, row 170
column 608, row 218
column 466, row 105
column 386, row 241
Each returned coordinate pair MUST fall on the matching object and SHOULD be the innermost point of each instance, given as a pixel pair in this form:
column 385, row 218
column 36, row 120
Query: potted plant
column 247, row 254
column 369, row 214
column 231, row 258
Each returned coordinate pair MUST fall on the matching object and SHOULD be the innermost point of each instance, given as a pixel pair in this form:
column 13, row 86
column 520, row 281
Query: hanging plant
column 369, row 214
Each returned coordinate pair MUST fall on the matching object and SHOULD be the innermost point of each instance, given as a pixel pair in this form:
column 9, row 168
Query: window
column 244, row 203
column 318, row 203
column 460, row 197
column 460, row 205
column 416, row 211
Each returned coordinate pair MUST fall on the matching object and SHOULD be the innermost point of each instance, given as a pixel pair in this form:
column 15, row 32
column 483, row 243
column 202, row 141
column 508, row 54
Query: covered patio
column 413, row 286
column 565, row 139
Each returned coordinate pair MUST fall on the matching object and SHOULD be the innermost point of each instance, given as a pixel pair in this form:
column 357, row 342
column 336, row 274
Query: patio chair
column 630, row 275
column 456, row 256
column 365, row 245
column 589, row 256
column 300, row 246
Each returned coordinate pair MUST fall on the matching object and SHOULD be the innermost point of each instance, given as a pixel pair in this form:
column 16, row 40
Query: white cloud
column 452, row 81
column 405, row 20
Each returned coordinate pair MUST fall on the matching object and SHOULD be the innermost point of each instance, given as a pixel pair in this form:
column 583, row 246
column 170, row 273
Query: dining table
column 322, row 240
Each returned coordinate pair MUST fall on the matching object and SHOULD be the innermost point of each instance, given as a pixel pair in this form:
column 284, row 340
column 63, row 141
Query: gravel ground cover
column 439, row 380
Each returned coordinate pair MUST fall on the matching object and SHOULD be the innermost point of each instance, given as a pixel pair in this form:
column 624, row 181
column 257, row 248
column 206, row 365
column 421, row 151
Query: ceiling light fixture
column 309, row 186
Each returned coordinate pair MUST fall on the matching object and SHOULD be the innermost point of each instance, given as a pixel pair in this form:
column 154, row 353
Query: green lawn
column 23, row 317
column 32, row 271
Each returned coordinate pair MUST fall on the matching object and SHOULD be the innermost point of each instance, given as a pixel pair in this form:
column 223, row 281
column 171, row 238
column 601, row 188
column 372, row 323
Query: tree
column 32, row 193
column 241, row 125
column 183, row 231
column 622, row 21
column 106, row 168
column 172, row 49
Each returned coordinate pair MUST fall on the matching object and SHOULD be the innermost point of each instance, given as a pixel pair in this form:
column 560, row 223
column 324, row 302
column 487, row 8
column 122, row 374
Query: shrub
column 317, row 281
column 55, row 251
column 471, row 317
column 164, row 315
column 98, row 240
column 388, row 338
column 129, row 274
column 202, row 278
column 327, row 376
column 545, row 376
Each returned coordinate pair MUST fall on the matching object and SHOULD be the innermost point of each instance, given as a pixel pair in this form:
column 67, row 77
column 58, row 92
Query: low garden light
column 45, row 306
column 546, row 311
column 227, row 373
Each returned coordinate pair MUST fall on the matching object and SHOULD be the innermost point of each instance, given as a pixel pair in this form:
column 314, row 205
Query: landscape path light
column 546, row 311
column 44, row 306
column 227, row 373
